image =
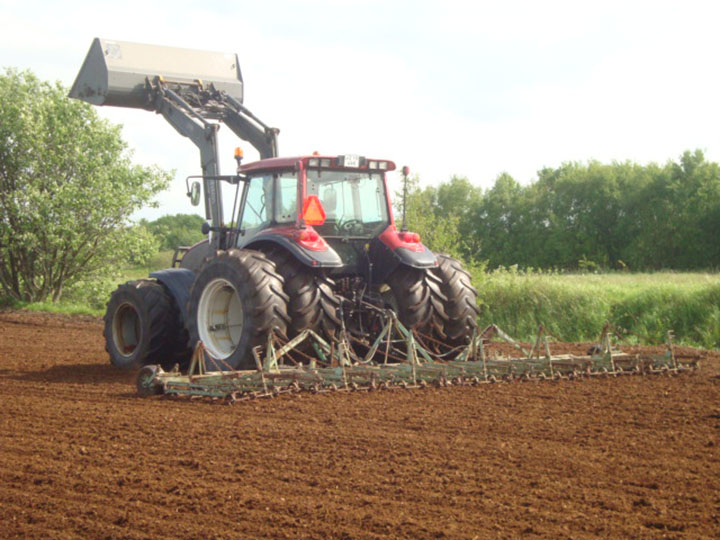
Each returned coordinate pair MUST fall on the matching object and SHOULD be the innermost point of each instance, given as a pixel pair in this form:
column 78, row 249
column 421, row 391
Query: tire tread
column 460, row 299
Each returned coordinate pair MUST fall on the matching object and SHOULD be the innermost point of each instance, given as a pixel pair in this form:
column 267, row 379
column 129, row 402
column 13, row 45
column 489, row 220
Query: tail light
column 308, row 235
column 310, row 239
column 409, row 237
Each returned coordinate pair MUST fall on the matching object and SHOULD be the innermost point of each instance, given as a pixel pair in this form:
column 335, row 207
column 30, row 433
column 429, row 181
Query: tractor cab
column 329, row 212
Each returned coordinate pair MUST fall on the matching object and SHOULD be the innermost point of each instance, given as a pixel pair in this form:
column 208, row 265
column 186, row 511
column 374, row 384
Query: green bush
column 177, row 230
column 95, row 292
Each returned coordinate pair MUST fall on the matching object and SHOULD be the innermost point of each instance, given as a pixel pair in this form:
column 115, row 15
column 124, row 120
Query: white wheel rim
column 220, row 318
column 126, row 331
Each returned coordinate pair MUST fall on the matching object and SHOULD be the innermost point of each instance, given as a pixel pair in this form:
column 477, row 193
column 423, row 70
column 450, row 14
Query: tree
column 177, row 230
column 67, row 189
column 438, row 233
column 499, row 220
column 583, row 209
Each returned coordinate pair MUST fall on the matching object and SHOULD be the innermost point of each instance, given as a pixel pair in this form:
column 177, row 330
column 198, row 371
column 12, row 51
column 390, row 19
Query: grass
column 574, row 307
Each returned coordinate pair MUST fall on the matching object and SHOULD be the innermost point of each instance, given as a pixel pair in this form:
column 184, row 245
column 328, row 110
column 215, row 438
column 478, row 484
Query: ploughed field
column 82, row 457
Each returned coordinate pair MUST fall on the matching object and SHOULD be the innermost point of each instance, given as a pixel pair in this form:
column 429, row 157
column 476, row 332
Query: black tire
column 417, row 297
column 460, row 300
column 236, row 301
column 142, row 326
column 312, row 302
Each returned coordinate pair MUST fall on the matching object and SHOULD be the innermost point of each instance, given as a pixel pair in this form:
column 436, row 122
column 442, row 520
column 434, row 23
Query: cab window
column 286, row 198
column 257, row 213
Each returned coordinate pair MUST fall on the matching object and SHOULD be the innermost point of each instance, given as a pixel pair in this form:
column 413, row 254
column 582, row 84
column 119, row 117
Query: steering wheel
column 349, row 226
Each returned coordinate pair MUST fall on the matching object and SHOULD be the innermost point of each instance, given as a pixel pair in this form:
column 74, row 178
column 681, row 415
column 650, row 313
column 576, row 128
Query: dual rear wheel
column 459, row 301
column 439, row 303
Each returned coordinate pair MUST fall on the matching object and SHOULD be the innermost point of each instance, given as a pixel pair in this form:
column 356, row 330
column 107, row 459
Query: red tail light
column 310, row 239
column 308, row 236
column 409, row 237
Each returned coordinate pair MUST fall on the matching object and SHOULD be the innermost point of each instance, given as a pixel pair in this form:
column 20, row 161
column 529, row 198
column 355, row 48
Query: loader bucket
column 115, row 72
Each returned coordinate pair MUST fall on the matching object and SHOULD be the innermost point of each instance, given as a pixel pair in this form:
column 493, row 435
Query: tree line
column 621, row 215
column 171, row 231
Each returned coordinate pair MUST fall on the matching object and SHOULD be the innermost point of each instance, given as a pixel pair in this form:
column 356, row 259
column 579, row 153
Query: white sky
column 451, row 87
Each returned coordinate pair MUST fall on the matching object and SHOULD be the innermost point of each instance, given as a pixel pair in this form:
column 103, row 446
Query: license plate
column 351, row 160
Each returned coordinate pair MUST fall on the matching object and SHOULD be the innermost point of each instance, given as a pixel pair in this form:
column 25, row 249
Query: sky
column 448, row 88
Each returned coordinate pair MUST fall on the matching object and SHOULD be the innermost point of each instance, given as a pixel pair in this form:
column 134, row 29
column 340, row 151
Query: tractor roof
column 332, row 161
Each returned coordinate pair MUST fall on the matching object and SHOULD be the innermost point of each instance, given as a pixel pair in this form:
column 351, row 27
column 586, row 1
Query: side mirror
column 194, row 193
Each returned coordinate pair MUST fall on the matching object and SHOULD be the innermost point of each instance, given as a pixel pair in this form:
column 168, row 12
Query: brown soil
column 82, row 457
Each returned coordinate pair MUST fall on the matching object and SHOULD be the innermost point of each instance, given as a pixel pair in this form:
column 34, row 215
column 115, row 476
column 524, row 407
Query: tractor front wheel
column 142, row 326
column 236, row 301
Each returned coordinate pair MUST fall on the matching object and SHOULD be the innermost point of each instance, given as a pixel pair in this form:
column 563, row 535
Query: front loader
column 310, row 244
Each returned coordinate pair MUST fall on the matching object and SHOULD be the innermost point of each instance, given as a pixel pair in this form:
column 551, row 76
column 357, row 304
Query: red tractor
column 311, row 241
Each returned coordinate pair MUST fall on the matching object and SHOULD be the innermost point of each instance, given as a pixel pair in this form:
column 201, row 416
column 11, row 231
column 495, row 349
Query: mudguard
column 385, row 260
column 178, row 281
column 314, row 259
column 196, row 255
column 416, row 259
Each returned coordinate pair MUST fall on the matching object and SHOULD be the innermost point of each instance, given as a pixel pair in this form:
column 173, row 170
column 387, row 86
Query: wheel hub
column 126, row 329
column 220, row 318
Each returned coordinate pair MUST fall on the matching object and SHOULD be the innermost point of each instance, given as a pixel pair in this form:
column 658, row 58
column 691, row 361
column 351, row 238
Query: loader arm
column 250, row 128
column 192, row 90
column 204, row 134
column 189, row 108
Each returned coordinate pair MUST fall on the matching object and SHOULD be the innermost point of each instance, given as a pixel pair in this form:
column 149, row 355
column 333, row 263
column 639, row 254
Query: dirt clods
column 81, row 456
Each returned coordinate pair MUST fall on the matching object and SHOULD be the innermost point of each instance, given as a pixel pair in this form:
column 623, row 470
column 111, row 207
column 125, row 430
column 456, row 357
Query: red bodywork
column 307, row 237
column 393, row 239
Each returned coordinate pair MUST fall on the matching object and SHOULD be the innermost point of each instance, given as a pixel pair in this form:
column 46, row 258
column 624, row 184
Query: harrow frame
column 339, row 366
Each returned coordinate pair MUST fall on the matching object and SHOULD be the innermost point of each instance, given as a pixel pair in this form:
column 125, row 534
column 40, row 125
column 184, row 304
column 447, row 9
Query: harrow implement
column 396, row 359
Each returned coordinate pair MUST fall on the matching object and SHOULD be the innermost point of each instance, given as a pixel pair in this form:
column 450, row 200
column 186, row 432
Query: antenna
column 405, row 172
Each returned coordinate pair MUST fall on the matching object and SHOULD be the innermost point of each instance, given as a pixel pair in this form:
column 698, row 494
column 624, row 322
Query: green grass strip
column 575, row 307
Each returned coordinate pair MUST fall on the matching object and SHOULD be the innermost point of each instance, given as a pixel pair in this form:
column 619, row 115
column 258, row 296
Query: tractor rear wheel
column 236, row 301
column 416, row 295
column 143, row 326
column 312, row 303
column 460, row 300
